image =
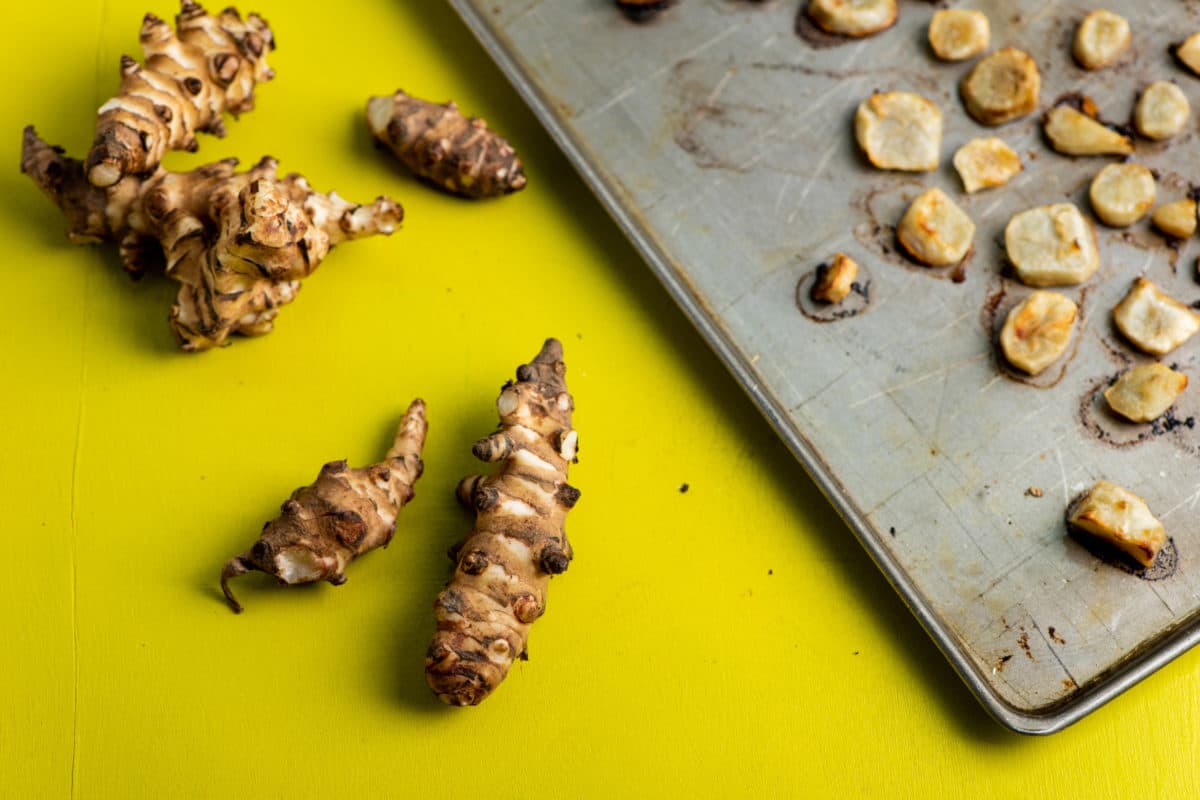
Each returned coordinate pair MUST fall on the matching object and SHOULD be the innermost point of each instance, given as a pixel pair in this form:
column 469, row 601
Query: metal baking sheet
column 720, row 137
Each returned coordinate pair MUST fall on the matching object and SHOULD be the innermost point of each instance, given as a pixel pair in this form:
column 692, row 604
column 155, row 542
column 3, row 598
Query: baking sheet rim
column 1170, row 645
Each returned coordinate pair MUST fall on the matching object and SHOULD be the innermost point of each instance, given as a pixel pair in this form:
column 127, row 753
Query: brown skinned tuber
column 518, row 542
column 206, row 66
column 441, row 146
column 238, row 242
column 339, row 517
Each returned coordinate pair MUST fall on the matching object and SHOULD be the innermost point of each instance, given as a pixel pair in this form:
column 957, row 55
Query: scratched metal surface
column 720, row 137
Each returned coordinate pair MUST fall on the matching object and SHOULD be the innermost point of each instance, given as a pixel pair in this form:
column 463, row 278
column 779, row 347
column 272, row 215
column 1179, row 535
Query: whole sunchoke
column 518, row 542
column 339, row 517
column 238, row 242
column 440, row 145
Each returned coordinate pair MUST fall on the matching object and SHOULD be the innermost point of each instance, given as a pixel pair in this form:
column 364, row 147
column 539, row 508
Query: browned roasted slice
column 1003, row 86
column 1177, row 219
column 835, row 280
column 1100, row 39
column 1121, row 194
column 935, row 231
column 956, row 33
column 900, row 131
column 1038, row 331
column 1074, row 132
column 1162, row 111
column 1188, row 52
column 1123, row 519
column 855, row 18
column 985, row 163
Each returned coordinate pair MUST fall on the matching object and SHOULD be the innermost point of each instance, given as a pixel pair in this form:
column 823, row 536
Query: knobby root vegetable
column 518, row 542
column 207, row 66
column 438, row 144
column 342, row 515
column 238, row 242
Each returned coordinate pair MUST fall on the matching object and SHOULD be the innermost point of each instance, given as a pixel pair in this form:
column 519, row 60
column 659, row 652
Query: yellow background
column 730, row 641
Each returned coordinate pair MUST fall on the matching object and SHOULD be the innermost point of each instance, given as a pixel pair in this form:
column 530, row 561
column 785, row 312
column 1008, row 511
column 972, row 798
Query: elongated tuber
column 208, row 65
column 438, row 144
column 342, row 515
column 238, row 242
column 518, row 542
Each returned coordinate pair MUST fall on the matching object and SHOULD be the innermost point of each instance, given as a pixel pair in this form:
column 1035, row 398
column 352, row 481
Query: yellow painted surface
column 729, row 641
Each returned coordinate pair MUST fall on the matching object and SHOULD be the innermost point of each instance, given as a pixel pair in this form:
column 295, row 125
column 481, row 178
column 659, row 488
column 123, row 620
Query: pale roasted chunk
column 1177, row 219
column 900, row 131
column 1051, row 245
column 956, row 33
column 1038, row 330
column 1074, row 133
column 1121, row 518
column 1144, row 393
column 1100, row 39
column 1121, row 194
column 855, row 18
column 1152, row 320
column 835, row 280
column 1188, row 52
column 1162, row 111
column 935, row 231
column 984, row 163
column 1003, row 86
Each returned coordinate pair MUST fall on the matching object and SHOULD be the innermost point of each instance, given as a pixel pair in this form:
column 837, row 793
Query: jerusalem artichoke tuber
column 209, row 65
column 342, row 515
column 440, row 145
column 518, row 542
column 239, row 243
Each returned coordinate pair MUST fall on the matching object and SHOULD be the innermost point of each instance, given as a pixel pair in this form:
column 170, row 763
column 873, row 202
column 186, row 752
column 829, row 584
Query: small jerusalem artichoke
column 339, row 517
column 438, row 144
